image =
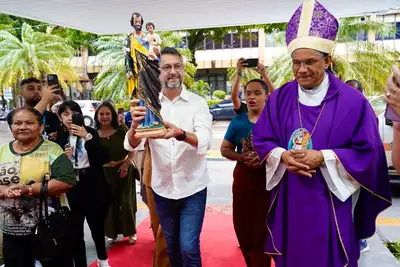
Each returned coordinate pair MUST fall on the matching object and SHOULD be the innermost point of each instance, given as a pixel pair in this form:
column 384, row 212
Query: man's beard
column 32, row 102
column 173, row 85
column 138, row 28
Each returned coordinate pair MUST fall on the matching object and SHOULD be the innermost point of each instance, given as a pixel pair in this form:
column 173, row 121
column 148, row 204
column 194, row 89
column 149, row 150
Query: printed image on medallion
column 300, row 139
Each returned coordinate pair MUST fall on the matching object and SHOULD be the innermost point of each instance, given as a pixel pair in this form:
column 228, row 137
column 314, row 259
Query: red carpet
column 219, row 245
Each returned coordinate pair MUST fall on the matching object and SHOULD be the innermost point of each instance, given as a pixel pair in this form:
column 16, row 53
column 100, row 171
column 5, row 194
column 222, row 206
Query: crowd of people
column 310, row 179
column 91, row 170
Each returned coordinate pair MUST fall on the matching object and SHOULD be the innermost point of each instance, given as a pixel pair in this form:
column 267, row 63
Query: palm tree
column 111, row 81
column 368, row 62
column 33, row 55
column 248, row 75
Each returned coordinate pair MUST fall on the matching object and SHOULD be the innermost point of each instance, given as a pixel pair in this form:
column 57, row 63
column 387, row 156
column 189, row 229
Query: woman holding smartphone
column 89, row 198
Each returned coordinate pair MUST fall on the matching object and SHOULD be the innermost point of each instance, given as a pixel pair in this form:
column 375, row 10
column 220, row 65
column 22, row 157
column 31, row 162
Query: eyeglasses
column 307, row 63
column 168, row 68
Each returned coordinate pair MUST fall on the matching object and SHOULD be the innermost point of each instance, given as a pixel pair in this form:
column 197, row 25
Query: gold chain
column 316, row 123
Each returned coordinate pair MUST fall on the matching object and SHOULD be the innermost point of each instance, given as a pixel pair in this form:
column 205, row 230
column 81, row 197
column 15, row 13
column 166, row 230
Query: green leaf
column 370, row 63
column 33, row 55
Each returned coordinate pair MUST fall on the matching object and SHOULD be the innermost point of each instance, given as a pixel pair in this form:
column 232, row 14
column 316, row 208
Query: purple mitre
column 312, row 26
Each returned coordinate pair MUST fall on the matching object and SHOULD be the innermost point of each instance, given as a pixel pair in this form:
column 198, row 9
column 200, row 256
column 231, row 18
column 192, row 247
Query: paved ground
column 220, row 195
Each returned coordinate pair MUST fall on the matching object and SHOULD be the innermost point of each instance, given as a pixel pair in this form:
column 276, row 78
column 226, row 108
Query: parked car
column 88, row 109
column 4, row 114
column 223, row 110
column 386, row 133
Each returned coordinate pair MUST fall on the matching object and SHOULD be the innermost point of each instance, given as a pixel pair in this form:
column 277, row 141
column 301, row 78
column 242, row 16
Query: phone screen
column 52, row 79
column 252, row 62
column 77, row 119
column 391, row 114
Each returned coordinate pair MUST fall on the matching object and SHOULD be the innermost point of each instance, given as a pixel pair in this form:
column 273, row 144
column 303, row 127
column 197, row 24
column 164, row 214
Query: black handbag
column 53, row 233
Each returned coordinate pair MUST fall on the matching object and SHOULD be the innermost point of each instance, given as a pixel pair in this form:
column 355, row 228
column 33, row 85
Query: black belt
column 81, row 171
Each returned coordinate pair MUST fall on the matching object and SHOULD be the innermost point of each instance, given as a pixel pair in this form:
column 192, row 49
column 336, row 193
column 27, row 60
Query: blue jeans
column 181, row 221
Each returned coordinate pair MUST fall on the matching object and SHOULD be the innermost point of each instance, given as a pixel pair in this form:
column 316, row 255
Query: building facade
column 214, row 59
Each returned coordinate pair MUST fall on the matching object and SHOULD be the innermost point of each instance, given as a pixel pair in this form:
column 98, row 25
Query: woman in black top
column 89, row 198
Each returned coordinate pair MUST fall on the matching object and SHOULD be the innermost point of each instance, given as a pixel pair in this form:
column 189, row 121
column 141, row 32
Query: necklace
column 316, row 123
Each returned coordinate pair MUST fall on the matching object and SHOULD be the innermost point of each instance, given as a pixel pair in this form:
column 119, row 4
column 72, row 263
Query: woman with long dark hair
column 120, row 175
column 89, row 198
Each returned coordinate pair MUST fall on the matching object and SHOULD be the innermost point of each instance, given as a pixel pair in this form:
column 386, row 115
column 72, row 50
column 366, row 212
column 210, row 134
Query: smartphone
column 252, row 62
column 52, row 79
column 77, row 119
column 391, row 114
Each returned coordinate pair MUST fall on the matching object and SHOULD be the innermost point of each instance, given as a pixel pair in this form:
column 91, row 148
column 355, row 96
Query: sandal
column 112, row 241
column 132, row 239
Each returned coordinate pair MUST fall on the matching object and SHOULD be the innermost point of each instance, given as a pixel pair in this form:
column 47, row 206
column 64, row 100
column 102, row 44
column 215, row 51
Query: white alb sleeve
column 275, row 168
column 337, row 178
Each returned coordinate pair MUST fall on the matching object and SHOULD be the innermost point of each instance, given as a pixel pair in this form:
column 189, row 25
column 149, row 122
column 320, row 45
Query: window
column 218, row 44
column 362, row 36
column 200, row 45
column 254, row 39
column 246, row 43
column 270, row 40
column 209, row 44
column 184, row 43
column 91, row 52
column 235, row 40
column 397, row 35
column 225, row 105
column 217, row 81
column 228, row 41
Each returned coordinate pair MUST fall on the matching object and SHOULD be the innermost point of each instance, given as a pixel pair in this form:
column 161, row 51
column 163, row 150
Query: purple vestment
column 308, row 226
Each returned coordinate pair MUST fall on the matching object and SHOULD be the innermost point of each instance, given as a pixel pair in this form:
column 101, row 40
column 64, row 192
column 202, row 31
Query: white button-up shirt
column 179, row 169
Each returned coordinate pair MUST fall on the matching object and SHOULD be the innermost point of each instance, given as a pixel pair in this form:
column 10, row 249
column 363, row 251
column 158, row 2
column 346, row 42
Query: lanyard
column 44, row 120
column 45, row 136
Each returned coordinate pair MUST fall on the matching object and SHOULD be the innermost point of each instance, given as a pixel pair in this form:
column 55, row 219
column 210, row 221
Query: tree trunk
column 194, row 38
column 15, row 96
column 84, row 77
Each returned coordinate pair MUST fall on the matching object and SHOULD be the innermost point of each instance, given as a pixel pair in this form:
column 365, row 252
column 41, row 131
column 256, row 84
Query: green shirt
column 19, row 216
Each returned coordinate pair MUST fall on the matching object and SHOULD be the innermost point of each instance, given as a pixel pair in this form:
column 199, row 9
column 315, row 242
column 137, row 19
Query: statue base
column 150, row 133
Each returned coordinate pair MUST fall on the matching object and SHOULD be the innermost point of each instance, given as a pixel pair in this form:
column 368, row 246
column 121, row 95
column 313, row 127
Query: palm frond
column 248, row 75
column 367, row 62
column 111, row 80
column 32, row 56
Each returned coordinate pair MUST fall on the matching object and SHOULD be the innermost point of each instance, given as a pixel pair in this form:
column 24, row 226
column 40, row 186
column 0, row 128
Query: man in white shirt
column 179, row 165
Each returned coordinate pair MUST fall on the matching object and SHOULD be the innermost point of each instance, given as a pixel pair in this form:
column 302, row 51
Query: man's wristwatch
column 181, row 136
